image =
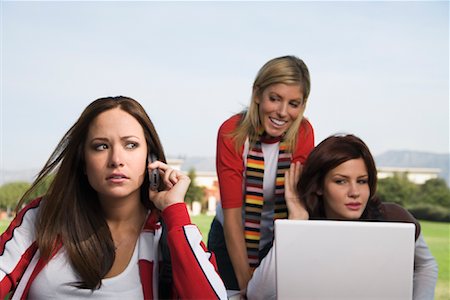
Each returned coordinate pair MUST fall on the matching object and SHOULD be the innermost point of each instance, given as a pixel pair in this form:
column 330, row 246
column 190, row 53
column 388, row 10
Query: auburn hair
column 326, row 156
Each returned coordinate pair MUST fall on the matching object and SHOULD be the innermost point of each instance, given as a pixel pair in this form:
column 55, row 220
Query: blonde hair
column 287, row 70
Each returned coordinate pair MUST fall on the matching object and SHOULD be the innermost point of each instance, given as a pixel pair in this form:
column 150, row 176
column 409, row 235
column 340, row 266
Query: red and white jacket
column 193, row 267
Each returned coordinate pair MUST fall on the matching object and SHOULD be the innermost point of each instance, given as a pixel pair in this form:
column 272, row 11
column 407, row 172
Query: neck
column 119, row 212
column 267, row 139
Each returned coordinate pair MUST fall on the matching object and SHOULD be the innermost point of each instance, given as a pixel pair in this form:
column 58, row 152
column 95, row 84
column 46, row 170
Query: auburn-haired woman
column 338, row 182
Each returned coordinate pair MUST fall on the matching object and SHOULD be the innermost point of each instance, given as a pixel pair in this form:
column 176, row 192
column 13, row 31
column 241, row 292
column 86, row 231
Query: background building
column 206, row 176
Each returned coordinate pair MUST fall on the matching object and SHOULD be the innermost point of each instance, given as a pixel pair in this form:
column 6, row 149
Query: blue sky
column 379, row 70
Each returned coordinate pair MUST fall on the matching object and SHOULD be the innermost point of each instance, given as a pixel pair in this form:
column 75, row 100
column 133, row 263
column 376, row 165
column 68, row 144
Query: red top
column 193, row 267
column 230, row 164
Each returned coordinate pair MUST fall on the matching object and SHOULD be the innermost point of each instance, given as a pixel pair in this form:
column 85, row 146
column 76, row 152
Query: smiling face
column 346, row 190
column 279, row 106
column 115, row 153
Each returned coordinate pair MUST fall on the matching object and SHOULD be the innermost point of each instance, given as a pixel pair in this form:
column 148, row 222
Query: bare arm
column 235, row 240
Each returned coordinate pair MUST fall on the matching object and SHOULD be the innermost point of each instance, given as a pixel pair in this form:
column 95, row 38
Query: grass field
column 437, row 237
column 436, row 234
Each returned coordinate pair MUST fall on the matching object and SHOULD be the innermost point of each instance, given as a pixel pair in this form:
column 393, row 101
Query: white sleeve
column 263, row 283
column 425, row 271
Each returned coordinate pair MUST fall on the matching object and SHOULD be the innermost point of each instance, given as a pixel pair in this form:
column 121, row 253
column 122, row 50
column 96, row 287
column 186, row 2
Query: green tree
column 41, row 189
column 10, row 193
column 429, row 201
column 435, row 191
column 194, row 192
column 398, row 189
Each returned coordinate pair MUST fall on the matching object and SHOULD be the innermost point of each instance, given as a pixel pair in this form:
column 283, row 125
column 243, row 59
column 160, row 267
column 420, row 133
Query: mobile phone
column 153, row 174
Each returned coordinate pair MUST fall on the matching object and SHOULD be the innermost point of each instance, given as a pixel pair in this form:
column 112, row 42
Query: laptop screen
column 344, row 259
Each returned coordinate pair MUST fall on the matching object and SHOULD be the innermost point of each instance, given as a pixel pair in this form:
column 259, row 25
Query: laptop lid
column 344, row 259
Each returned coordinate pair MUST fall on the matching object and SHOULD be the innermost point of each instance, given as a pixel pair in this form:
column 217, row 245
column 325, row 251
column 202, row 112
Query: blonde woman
column 254, row 148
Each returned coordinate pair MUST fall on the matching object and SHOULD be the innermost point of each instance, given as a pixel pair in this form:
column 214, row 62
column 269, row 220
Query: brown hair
column 326, row 156
column 70, row 211
column 288, row 70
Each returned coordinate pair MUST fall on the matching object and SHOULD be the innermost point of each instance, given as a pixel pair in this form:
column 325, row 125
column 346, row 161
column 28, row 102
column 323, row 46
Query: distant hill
column 412, row 159
column 199, row 163
column 415, row 159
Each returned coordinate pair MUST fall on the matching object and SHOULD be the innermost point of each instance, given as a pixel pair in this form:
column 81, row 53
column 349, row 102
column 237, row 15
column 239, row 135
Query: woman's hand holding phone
column 153, row 174
column 175, row 182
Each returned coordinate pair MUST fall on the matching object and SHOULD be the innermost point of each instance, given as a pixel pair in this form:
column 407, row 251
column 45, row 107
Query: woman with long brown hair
column 97, row 231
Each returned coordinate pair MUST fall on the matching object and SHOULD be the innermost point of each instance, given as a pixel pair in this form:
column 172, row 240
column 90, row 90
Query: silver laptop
column 344, row 260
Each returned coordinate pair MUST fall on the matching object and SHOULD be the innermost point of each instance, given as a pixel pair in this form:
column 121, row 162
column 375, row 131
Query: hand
column 176, row 184
column 296, row 207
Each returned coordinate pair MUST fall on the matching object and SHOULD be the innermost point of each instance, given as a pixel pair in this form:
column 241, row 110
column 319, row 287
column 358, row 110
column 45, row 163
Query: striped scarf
column 254, row 198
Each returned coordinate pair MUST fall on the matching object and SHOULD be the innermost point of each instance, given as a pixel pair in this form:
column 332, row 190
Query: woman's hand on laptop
column 296, row 207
